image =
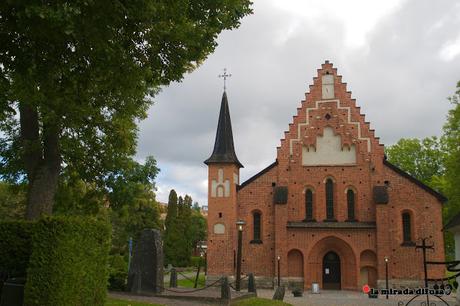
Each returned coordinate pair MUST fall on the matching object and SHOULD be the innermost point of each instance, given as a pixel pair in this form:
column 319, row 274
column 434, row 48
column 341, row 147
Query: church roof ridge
column 417, row 182
column 224, row 149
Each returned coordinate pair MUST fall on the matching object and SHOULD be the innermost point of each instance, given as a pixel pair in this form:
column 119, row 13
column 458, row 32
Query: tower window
column 257, row 218
column 351, row 205
column 309, row 205
column 407, row 228
column 329, row 200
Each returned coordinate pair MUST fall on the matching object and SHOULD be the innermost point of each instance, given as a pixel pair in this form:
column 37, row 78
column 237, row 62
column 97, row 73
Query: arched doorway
column 295, row 269
column 349, row 273
column 331, row 271
column 295, row 264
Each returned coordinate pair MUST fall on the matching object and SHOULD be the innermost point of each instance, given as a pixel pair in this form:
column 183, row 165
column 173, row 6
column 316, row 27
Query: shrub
column 197, row 260
column 118, row 272
column 69, row 263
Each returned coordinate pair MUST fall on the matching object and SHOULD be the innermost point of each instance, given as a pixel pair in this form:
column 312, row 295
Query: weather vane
column 225, row 75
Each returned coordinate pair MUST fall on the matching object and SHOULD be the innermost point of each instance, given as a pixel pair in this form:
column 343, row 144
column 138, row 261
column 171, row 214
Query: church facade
column 329, row 210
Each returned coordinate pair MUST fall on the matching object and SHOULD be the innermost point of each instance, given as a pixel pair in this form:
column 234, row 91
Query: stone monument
column 146, row 270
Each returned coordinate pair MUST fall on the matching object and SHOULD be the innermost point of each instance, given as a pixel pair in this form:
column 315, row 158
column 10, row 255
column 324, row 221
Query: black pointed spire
column 224, row 150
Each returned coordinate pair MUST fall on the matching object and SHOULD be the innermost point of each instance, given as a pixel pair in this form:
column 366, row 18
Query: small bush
column 197, row 260
column 118, row 273
column 69, row 263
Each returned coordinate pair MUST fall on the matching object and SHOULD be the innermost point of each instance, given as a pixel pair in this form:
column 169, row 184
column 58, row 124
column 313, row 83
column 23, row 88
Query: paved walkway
column 325, row 298
column 351, row 298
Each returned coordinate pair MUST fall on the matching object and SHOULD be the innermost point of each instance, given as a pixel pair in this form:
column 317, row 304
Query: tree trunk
column 41, row 159
column 41, row 191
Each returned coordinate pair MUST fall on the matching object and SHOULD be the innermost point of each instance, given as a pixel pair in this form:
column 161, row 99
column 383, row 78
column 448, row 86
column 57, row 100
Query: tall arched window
column 308, row 205
column 407, row 228
column 257, row 218
column 329, row 199
column 351, row 205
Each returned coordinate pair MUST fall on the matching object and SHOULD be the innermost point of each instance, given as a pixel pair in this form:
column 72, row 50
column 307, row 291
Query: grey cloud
column 398, row 78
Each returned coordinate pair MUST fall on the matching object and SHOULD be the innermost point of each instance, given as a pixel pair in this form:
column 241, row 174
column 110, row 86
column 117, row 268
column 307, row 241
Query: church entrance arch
column 336, row 255
column 331, row 271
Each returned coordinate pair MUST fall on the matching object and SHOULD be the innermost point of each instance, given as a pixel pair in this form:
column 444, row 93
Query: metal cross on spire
column 225, row 75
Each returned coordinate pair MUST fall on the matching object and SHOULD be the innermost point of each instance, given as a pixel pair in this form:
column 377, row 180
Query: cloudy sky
column 400, row 59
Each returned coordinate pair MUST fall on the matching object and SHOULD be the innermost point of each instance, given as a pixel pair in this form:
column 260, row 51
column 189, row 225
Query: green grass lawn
column 186, row 283
column 246, row 302
column 260, row 302
column 114, row 302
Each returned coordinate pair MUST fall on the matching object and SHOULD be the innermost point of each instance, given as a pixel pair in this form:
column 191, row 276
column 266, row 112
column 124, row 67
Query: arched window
column 308, row 205
column 257, row 218
column 351, row 205
column 329, row 199
column 407, row 228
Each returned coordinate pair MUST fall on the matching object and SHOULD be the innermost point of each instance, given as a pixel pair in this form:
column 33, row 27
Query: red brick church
column 330, row 209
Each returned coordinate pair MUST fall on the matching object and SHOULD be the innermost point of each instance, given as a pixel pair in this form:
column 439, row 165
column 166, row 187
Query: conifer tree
column 171, row 234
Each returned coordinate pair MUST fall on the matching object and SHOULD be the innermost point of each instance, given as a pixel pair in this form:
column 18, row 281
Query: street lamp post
column 279, row 269
column 386, row 275
column 240, row 224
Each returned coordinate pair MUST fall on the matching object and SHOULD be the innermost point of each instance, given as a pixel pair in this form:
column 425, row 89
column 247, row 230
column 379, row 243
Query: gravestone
column 252, row 283
column 146, row 271
column 279, row 293
column 173, row 279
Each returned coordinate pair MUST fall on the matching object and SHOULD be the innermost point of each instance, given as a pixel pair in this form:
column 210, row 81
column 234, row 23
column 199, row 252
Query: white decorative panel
column 340, row 108
column 235, row 178
column 328, row 87
column 220, row 188
column 219, row 228
column 328, row 151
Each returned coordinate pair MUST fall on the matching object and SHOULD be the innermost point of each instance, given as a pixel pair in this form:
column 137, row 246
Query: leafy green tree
column 133, row 205
column 12, row 201
column 77, row 76
column 198, row 227
column 128, row 201
column 184, row 245
column 451, row 140
column 77, row 197
column 423, row 159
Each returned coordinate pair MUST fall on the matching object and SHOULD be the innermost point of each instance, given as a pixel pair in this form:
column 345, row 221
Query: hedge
column 15, row 247
column 68, row 265
column 67, row 260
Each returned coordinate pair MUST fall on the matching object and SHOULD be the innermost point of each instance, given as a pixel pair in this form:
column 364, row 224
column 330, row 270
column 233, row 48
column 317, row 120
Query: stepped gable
column 339, row 112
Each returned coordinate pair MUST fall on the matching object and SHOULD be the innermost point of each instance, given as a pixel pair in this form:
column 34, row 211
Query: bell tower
column 223, row 179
